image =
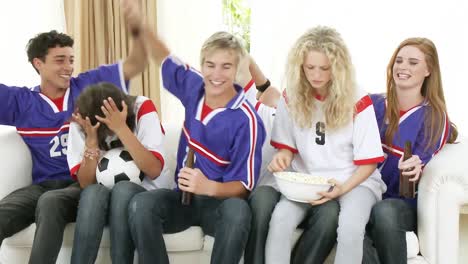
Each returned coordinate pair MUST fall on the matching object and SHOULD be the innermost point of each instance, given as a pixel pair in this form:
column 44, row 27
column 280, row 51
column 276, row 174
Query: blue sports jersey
column 411, row 127
column 43, row 127
column 228, row 141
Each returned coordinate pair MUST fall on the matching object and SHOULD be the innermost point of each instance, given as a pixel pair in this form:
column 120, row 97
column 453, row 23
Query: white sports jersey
column 332, row 154
column 148, row 131
column 267, row 114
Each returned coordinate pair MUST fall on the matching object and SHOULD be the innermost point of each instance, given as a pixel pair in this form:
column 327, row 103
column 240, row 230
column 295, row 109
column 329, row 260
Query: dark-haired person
column 109, row 118
column 41, row 116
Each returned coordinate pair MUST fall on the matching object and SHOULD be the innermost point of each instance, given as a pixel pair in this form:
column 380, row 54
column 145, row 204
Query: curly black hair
column 38, row 47
column 89, row 104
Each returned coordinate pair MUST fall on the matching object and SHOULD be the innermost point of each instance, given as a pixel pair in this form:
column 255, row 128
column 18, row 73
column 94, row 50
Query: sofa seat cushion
column 187, row 240
column 411, row 241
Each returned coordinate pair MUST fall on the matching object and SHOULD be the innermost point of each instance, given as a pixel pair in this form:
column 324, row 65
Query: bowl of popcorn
column 301, row 187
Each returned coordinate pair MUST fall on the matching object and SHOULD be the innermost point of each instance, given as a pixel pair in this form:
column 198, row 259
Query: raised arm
column 267, row 94
column 137, row 59
column 156, row 47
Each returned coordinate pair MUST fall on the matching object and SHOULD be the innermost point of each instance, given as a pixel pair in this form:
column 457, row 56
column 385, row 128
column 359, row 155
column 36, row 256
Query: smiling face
column 410, row 68
column 219, row 70
column 56, row 69
column 317, row 69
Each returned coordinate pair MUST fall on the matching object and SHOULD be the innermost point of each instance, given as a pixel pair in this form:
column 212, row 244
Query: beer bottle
column 187, row 196
column 407, row 187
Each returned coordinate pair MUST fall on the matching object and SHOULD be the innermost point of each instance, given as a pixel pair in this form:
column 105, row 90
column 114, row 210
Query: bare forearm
column 227, row 189
column 87, row 173
column 143, row 158
column 360, row 175
column 137, row 59
column 157, row 48
column 256, row 73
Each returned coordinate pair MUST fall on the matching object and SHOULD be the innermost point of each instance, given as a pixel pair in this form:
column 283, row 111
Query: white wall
column 20, row 21
column 372, row 30
column 184, row 25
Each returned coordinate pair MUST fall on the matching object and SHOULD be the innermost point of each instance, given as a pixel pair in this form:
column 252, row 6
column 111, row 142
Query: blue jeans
column 262, row 201
column 160, row 211
column 319, row 236
column 51, row 204
column 315, row 243
column 389, row 221
column 99, row 206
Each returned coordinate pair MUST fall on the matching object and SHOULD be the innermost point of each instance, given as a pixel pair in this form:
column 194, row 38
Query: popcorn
column 298, row 177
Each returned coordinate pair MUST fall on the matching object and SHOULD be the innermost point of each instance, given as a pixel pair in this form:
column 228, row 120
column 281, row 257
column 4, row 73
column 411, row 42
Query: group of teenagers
column 322, row 124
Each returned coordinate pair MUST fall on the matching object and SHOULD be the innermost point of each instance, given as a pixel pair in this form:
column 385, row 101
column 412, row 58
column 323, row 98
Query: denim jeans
column 98, row 206
column 315, row 243
column 319, row 236
column 390, row 220
column 160, row 211
column 51, row 204
column 262, row 201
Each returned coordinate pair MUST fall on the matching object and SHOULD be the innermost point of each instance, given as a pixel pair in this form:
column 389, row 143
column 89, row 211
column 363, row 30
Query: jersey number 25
column 59, row 145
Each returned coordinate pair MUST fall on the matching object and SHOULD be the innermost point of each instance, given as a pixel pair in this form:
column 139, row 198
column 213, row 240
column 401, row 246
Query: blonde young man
column 226, row 134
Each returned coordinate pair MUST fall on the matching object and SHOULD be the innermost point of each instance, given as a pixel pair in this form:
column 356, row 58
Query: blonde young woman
column 412, row 110
column 325, row 126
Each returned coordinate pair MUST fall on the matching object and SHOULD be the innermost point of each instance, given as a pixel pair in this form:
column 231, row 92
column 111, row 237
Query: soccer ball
column 117, row 165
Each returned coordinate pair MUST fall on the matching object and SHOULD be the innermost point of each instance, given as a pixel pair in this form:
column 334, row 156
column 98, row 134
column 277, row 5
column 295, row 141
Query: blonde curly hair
column 339, row 102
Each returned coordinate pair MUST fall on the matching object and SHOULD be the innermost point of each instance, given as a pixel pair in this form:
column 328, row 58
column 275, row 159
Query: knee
column 350, row 233
column 143, row 206
column 123, row 191
column 94, row 198
column 124, row 188
column 281, row 219
column 47, row 205
column 236, row 212
column 94, row 193
column 384, row 214
column 327, row 216
column 263, row 201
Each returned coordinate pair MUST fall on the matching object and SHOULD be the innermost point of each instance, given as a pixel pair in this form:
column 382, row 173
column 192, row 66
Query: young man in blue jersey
column 41, row 116
column 226, row 134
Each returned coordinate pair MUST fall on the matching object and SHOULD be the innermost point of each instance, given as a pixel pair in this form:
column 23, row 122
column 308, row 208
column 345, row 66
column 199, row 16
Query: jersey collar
column 49, row 101
column 238, row 99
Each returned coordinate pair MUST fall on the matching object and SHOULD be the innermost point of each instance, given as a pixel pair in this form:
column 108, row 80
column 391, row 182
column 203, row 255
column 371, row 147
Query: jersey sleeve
column 379, row 103
column 422, row 141
column 112, row 73
column 11, row 103
column 76, row 145
column 367, row 148
column 149, row 130
column 180, row 79
column 282, row 136
column 246, row 152
column 251, row 92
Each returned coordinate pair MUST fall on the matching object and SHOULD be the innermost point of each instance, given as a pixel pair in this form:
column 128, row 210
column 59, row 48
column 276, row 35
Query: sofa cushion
column 188, row 240
column 411, row 241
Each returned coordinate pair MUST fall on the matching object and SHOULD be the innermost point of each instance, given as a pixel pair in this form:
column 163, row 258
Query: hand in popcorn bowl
column 301, row 187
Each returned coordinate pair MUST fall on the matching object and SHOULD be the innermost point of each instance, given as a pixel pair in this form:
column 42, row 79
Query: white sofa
column 443, row 191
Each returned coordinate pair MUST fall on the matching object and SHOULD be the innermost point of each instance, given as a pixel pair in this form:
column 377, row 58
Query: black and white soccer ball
column 117, row 165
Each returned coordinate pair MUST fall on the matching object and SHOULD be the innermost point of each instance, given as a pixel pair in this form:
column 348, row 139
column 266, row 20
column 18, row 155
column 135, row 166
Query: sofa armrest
column 443, row 189
column 15, row 161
